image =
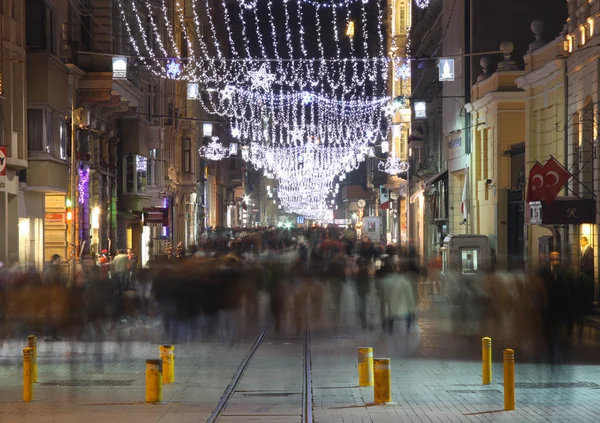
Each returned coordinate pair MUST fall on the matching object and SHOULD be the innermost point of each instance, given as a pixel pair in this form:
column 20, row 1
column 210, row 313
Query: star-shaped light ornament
column 235, row 132
column 390, row 109
column 227, row 92
column 214, row 150
column 307, row 98
column 261, row 78
column 173, row 69
column 296, row 134
column 393, row 166
column 422, row 3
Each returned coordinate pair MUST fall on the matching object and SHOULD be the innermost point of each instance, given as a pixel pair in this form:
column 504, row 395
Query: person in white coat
column 398, row 299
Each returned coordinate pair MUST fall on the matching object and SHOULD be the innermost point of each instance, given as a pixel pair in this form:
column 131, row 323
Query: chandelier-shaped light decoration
column 422, row 4
column 393, row 166
column 214, row 150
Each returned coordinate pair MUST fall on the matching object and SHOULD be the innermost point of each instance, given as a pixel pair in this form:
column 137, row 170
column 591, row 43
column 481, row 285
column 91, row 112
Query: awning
column 440, row 176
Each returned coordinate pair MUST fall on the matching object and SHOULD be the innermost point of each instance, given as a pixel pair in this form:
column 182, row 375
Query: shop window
column 469, row 259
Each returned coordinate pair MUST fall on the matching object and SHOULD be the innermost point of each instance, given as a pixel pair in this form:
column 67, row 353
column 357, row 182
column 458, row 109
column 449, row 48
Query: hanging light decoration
column 306, row 121
column 403, row 70
column 214, row 150
column 422, row 4
column 393, row 166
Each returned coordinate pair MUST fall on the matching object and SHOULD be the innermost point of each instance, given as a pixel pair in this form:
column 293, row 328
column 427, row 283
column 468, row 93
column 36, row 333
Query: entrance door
column 516, row 229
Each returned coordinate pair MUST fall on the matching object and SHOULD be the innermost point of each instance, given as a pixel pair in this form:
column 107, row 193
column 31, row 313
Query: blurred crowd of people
column 233, row 279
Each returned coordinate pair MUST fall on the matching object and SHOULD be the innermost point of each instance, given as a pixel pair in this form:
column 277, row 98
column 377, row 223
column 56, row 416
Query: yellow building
column 543, row 82
column 399, row 88
column 496, row 165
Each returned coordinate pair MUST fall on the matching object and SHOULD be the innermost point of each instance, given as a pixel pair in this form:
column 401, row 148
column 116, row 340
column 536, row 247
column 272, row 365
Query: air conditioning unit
column 82, row 116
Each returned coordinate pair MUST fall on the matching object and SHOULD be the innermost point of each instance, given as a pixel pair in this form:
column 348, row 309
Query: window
column 40, row 26
column 141, row 170
column 186, row 159
column 152, row 177
column 402, row 20
column 469, row 259
column 35, row 129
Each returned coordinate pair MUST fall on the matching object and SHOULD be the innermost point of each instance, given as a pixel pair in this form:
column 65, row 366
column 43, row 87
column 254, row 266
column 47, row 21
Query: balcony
column 47, row 174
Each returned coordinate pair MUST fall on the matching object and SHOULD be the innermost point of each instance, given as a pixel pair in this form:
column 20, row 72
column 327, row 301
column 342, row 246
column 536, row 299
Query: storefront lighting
column 95, row 221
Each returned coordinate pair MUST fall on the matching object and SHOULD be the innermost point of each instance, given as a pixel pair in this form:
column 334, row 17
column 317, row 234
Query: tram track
column 226, row 399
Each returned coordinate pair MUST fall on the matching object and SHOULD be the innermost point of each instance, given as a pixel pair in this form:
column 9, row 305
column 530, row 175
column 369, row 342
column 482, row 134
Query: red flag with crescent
column 536, row 189
column 555, row 178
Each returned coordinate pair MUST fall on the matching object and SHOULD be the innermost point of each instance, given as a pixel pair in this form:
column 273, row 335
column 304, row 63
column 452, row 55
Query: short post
column 486, row 360
column 509, row 379
column 27, row 375
column 167, row 355
column 383, row 381
column 365, row 366
column 32, row 343
column 154, row 392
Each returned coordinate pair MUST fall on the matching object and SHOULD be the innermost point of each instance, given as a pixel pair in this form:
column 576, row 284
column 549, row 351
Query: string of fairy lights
column 305, row 111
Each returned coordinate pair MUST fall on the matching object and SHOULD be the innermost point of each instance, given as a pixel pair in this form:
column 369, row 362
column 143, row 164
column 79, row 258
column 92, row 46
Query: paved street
column 436, row 377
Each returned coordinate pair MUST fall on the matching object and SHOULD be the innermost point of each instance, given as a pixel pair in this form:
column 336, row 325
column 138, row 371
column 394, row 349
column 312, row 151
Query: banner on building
column 384, row 198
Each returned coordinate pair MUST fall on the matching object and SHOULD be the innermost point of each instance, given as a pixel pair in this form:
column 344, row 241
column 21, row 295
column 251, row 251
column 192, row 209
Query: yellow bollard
column 365, row 366
column 509, row 379
column 32, row 343
column 154, row 385
column 486, row 360
column 27, row 374
column 383, row 381
column 167, row 355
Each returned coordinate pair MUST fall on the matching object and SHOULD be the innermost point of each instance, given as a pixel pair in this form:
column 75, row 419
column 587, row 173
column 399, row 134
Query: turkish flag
column 536, row 188
column 555, row 178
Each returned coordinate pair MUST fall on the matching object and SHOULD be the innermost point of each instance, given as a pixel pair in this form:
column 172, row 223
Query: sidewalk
column 78, row 383
column 437, row 378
